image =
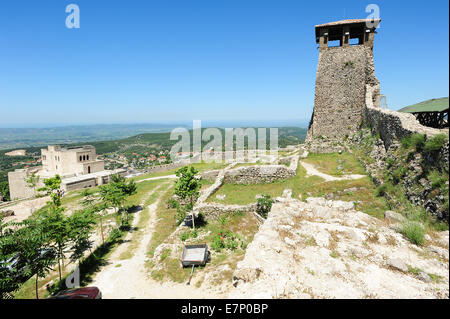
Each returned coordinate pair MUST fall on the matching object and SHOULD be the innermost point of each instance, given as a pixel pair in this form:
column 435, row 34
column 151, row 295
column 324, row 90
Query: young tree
column 52, row 188
column 127, row 188
column 32, row 181
column 8, row 250
column 4, row 191
column 187, row 187
column 55, row 224
column 36, row 252
column 80, row 225
column 111, row 196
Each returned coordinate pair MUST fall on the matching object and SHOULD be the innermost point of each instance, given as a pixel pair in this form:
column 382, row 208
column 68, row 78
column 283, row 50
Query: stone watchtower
column 344, row 72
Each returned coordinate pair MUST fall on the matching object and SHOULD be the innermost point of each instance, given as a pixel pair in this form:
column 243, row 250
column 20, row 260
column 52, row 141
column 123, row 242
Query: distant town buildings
column 78, row 168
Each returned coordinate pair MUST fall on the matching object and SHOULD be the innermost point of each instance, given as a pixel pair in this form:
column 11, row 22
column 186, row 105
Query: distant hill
column 28, row 137
column 147, row 142
column 433, row 105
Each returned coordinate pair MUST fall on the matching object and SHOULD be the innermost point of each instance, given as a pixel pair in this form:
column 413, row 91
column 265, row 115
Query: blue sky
column 167, row 60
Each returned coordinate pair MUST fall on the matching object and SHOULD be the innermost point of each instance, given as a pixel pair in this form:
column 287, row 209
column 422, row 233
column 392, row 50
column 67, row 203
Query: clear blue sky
column 167, row 60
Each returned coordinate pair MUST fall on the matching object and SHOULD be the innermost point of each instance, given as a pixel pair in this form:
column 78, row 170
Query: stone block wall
column 339, row 104
column 392, row 125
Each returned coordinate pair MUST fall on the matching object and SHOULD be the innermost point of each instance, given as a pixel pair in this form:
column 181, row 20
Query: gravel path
column 128, row 278
column 310, row 170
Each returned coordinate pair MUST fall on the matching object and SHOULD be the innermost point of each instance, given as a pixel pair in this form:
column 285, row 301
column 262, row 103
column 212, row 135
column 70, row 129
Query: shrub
column 180, row 217
column 437, row 180
column 184, row 236
column 381, row 190
column 194, row 234
column 416, row 140
column 264, row 205
column 435, row 143
column 217, row 242
column 414, row 231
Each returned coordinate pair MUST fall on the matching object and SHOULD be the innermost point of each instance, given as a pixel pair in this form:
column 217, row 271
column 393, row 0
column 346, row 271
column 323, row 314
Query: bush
column 264, row 205
column 184, row 236
column 180, row 217
column 217, row 242
column 437, row 180
column 414, row 231
column 416, row 140
column 381, row 190
column 435, row 143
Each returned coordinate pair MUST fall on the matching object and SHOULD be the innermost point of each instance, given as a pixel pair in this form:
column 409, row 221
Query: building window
column 89, row 169
column 87, row 157
column 84, row 157
column 81, row 158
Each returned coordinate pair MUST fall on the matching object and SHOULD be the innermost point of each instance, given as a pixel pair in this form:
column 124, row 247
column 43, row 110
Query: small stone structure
column 262, row 173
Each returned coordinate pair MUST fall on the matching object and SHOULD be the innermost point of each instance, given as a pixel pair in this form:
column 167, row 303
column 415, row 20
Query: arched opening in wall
column 81, row 158
column 89, row 169
column 87, row 157
column 84, row 157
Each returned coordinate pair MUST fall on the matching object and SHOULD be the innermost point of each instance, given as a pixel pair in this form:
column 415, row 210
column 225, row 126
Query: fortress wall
column 342, row 76
column 392, row 125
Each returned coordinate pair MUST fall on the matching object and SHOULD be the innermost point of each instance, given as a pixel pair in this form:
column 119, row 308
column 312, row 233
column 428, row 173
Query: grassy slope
column 365, row 196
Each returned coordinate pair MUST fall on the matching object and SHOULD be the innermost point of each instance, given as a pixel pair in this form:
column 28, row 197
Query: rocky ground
column 327, row 249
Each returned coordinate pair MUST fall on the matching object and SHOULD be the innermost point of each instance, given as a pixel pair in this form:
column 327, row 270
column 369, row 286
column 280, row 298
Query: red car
column 79, row 293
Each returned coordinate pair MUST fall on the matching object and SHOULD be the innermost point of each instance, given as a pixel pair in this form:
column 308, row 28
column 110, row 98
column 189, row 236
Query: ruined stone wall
column 392, row 125
column 342, row 76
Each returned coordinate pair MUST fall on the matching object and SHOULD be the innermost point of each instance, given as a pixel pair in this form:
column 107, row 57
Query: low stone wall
column 212, row 211
column 210, row 175
column 261, row 173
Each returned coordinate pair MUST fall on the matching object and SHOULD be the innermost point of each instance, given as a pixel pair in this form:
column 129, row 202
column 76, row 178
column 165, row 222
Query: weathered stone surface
column 342, row 75
column 393, row 216
column 6, row 213
column 424, row 276
column 348, row 254
column 397, row 263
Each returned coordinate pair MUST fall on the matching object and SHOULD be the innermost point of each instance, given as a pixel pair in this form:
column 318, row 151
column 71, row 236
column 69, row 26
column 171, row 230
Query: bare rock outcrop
column 327, row 249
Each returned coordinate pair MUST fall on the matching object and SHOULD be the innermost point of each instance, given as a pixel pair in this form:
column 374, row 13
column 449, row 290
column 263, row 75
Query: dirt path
column 128, row 278
column 311, row 170
column 156, row 178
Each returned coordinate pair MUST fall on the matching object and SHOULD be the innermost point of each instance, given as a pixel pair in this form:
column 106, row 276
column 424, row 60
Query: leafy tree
column 187, row 187
column 111, row 196
column 127, row 188
column 80, row 225
column 8, row 249
column 36, row 253
column 89, row 201
column 55, row 224
column 32, row 181
column 4, row 191
column 52, row 188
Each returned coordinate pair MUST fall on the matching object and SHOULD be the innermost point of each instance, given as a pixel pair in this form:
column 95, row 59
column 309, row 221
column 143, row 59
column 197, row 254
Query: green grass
column 242, row 224
column 414, row 231
column 165, row 224
column 365, row 197
column 203, row 166
column 143, row 220
column 329, row 163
